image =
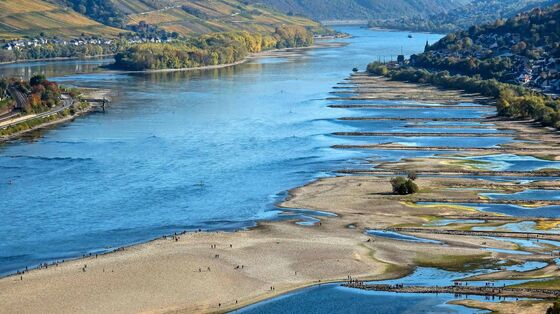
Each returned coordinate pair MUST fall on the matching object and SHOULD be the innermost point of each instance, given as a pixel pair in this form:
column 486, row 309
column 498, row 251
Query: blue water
column 399, row 236
column 552, row 211
column 529, row 194
column 447, row 222
column 177, row 151
column 512, row 162
column 333, row 298
column 403, row 126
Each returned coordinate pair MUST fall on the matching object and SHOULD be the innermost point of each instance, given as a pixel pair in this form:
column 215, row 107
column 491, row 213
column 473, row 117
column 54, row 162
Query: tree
column 412, row 175
column 37, row 79
column 403, row 186
column 554, row 309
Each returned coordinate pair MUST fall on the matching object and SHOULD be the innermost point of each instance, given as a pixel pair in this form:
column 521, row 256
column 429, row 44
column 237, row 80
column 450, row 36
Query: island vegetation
column 210, row 49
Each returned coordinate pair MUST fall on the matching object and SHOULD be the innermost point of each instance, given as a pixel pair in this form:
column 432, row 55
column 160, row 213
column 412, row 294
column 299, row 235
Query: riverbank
column 195, row 272
column 36, row 122
column 220, row 271
column 179, row 274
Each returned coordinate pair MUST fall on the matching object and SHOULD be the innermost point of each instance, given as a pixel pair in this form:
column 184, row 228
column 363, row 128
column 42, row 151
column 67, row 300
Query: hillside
column 186, row 17
column 524, row 49
column 197, row 17
column 361, row 9
column 515, row 61
column 462, row 17
column 31, row 17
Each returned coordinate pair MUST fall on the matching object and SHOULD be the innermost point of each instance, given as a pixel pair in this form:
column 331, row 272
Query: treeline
column 209, row 49
column 512, row 101
column 496, row 67
column 50, row 51
column 103, row 11
column 536, row 28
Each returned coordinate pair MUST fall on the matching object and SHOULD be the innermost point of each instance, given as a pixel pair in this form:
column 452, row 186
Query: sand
column 190, row 276
column 163, row 275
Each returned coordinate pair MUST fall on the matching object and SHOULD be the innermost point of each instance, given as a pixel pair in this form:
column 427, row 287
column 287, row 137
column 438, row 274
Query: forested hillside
column 462, row 17
column 362, row 9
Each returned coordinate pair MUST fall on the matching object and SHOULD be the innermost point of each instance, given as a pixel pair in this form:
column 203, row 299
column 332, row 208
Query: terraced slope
column 188, row 17
column 362, row 9
column 31, row 17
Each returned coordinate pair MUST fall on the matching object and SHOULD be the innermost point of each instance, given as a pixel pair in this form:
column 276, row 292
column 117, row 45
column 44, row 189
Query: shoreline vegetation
column 209, row 50
column 39, row 103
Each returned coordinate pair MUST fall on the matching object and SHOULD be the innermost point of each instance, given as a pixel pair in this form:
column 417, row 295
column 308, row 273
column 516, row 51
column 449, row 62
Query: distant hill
column 31, row 17
column 524, row 49
column 361, row 9
column 473, row 13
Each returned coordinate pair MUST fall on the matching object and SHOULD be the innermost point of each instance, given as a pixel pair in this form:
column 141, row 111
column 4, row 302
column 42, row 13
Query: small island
column 209, row 50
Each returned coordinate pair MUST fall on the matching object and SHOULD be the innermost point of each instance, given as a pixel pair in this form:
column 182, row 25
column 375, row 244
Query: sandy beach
column 189, row 275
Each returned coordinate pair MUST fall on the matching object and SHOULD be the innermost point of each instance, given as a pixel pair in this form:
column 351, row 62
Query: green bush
column 377, row 68
column 554, row 309
column 403, row 186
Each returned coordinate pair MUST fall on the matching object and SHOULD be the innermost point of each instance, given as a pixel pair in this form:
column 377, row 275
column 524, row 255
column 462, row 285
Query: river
column 177, row 151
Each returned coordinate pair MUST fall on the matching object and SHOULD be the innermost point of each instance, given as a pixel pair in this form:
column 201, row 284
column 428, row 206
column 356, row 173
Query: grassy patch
column 441, row 206
column 453, row 262
column 468, row 164
column 547, row 224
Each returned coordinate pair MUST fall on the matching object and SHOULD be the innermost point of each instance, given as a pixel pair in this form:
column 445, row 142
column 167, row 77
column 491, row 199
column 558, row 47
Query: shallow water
column 529, row 194
column 399, row 236
column 177, row 151
column 333, row 298
column 512, row 162
column 552, row 211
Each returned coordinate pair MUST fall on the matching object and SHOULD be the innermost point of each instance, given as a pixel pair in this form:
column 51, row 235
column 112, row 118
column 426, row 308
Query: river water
column 209, row 149
column 177, row 151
